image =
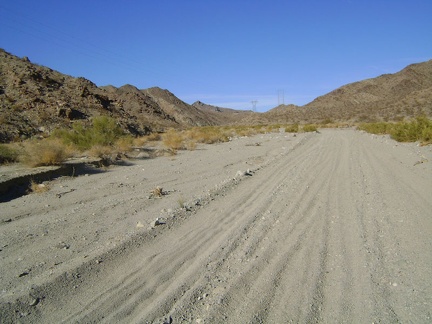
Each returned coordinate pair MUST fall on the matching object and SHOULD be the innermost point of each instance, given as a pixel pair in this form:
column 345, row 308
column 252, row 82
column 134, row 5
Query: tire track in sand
column 310, row 237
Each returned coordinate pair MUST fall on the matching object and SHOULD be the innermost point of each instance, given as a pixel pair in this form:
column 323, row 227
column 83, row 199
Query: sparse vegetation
column 419, row 129
column 101, row 151
column 35, row 187
column 310, row 128
column 8, row 154
column 208, row 134
column 157, row 192
column 380, row 128
column 105, row 138
column 173, row 140
column 292, row 128
column 187, row 139
column 104, row 132
column 44, row 152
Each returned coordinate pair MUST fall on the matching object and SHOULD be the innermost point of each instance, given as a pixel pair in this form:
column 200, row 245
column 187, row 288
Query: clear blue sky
column 222, row 52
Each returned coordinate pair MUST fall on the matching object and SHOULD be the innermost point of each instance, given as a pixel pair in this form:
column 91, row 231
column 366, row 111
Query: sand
column 333, row 226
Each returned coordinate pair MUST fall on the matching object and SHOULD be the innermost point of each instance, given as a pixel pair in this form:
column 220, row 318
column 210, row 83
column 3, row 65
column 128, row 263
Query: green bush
column 310, row 128
column 419, row 129
column 7, row 154
column 376, row 128
column 103, row 132
column 292, row 128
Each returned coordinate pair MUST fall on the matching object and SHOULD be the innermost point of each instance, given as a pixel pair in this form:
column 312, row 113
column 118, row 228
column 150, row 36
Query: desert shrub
column 247, row 130
column 419, row 129
column 154, row 137
column 44, row 152
column 327, row 121
column 294, row 128
column 208, row 134
column 35, row 187
column 376, row 128
column 104, row 132
column 146, row 140
column 101, row 151
column 8, row 154
column 173, row 140
column 124, row 144
column 190, row 144
column 310, row 128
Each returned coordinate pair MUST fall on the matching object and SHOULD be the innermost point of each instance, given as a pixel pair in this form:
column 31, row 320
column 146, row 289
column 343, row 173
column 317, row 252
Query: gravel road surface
column 331, row 227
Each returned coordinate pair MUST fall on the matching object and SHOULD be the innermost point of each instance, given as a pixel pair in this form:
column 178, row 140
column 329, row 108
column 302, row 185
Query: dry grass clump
column 245, row 131
column 35, row 187
column 124, row 144
column 149, row 140
column 154, row 137
column 207, row 134
column 188, row 139
column 101, row 151
column 157, row 192
column 173, row 140
column 45, row 152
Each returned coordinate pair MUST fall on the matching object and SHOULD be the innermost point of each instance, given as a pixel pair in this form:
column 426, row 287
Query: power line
column 254, row 102
column 281, row 97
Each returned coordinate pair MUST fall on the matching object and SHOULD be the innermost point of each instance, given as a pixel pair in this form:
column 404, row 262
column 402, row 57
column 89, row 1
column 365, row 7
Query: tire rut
column 310, row 237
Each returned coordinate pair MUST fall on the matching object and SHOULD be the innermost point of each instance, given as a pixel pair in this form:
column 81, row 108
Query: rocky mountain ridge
column 389, row 97
column 35, row 99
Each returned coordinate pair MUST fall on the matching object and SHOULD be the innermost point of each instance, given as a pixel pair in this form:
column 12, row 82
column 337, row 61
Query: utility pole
column 254, row 102
column 281, row 97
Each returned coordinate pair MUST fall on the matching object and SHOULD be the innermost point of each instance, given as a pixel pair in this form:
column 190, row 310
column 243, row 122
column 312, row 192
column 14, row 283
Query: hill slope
column 222, row 116
column 406, row 93
column 35, row 99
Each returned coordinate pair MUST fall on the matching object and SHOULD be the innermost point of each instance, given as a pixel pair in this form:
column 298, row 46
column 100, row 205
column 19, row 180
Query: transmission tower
column 281, row 97
column 254, row 102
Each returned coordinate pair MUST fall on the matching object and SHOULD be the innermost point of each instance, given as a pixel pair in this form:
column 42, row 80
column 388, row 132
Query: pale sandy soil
column 331, row 227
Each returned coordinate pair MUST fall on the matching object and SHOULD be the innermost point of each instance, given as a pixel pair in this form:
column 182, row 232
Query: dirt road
column 326, row 227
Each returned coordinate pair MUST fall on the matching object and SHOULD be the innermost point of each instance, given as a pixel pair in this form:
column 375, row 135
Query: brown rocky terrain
column 221, row 115
column 389, row 97
column 35, row 99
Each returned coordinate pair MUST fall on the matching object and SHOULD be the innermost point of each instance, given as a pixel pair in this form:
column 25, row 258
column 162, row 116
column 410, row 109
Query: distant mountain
column 222, row 116
column 35, row 99
column 389, row 97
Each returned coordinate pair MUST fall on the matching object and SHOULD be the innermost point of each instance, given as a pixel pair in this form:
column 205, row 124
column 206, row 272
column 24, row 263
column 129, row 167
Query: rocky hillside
column 389, row 97
column 35, row 99
column 222, row 116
